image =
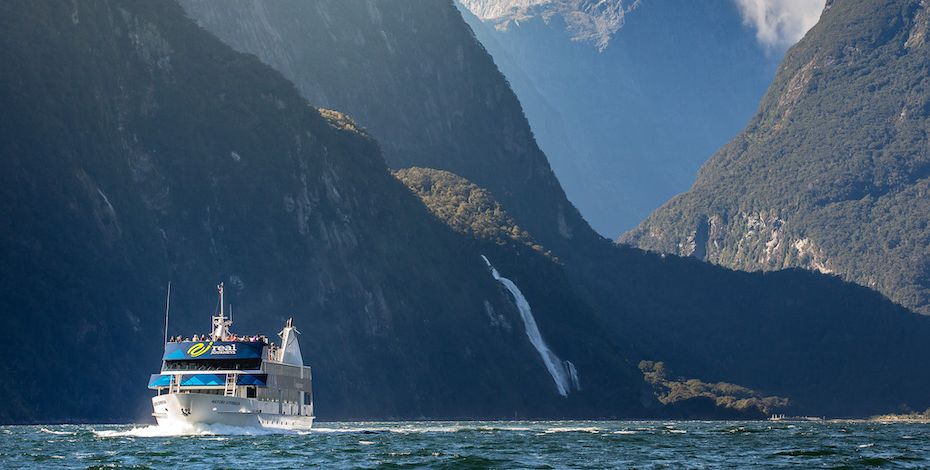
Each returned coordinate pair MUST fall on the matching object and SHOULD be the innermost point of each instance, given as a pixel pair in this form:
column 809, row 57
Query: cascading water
column 563, row 373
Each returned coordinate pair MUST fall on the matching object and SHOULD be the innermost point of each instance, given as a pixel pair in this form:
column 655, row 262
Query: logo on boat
column 200, row 349
column 224, row 349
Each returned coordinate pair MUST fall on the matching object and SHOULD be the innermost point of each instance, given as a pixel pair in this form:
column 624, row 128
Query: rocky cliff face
column 412, row 74
column 832, row 173
column 139, row 149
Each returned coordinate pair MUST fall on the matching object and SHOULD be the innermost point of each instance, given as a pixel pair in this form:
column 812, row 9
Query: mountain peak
column 590, row 21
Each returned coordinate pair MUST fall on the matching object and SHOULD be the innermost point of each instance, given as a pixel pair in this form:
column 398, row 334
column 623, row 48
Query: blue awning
column 158, row 380
column 208, row 380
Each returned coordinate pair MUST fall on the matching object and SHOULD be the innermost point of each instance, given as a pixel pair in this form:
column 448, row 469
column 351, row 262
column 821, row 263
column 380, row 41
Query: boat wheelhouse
column 224, row 378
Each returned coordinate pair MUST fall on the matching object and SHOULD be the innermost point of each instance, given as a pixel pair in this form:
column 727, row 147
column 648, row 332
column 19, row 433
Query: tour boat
column 231, row 380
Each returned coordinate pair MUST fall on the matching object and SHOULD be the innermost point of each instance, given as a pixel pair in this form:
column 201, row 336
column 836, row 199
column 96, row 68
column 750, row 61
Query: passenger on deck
column 196, row 338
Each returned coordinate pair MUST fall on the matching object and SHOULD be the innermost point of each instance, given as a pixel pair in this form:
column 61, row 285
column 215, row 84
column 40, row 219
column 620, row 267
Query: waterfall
column 563, row 372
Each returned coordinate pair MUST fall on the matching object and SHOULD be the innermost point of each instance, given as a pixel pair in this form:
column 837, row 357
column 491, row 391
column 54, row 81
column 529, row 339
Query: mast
column 167, row 306
column 222, row 310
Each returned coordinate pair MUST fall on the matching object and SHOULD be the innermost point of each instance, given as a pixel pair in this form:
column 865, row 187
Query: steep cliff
column 832, row 173
column 703, row 321
column 412, row 73
column 136, row 149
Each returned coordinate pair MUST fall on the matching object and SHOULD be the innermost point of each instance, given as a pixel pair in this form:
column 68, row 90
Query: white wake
column 563, row 373
column 184, row 429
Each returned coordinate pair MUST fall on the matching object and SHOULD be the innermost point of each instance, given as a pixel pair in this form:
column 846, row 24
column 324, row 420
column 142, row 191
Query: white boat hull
column 205, row 409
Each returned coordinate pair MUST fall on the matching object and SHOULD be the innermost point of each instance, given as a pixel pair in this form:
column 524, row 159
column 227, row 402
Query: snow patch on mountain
column 590, row 21
column 778, row 23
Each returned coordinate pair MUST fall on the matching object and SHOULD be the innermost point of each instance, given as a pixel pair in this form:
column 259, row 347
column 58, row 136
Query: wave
column 57, row 433
column 184, row 429
column 591, row 430
column 416, row 428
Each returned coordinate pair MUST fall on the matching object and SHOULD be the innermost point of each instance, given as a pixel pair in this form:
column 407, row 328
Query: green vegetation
column 464, row 206
column 912, row 417
column 677, row 391
column 833, row 173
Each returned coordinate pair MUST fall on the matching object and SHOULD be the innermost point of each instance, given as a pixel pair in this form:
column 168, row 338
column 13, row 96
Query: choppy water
column 476, row 445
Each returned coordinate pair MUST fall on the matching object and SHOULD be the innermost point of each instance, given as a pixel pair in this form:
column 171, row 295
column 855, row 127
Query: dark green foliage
column 678, row 391
column 464, row 206
column 839, row 153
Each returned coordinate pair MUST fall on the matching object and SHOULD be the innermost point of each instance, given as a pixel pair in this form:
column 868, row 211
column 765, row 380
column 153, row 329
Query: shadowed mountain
column 137, row 148
column 830, row 347
column 412, row 73
column 420, row 57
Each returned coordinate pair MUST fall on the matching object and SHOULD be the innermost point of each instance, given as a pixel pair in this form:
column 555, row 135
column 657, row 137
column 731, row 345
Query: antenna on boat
column 167, row 307
column 222, row 310
column 220, row 323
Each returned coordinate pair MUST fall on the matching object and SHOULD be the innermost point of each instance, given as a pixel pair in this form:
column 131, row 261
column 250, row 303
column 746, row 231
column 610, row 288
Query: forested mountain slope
column 703, row 321
column 137, row 149
column 832, row 174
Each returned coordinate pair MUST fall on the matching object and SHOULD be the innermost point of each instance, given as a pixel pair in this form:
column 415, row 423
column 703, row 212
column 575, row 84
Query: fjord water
column 654, row 444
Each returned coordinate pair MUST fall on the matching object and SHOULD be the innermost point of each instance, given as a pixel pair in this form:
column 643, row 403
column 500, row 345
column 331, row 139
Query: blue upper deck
column 195, row 350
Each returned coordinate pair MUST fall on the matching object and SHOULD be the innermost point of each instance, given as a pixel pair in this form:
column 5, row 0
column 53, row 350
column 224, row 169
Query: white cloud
column 780, row 23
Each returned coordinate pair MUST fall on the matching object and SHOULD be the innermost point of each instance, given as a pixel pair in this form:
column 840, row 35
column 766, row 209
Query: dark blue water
column 834, row 444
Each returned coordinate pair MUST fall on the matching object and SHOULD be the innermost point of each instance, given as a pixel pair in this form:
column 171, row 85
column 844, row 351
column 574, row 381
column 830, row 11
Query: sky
column 780, row 23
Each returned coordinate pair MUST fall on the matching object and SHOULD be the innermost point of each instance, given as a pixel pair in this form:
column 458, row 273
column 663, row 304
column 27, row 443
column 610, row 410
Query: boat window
column 215, row 364
column 250, row 392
